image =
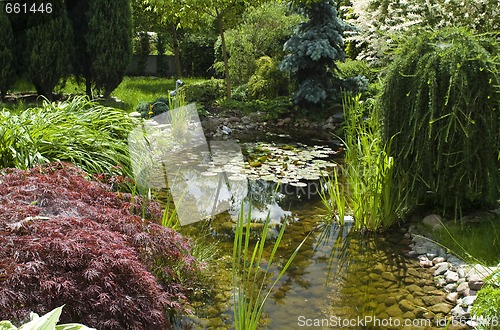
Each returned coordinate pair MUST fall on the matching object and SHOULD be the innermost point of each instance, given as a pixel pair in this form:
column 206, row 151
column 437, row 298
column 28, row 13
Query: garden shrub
column 269, row 81
column 70, row 241
column 151, row 109
column 205, row 92
column 441, row 95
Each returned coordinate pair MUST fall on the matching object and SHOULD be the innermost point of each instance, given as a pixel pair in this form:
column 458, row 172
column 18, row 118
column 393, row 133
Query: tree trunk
column 177, row 55
column 88, row 87
column 224, row 55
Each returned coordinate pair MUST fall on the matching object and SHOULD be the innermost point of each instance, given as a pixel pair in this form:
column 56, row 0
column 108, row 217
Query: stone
column 450, row 276
column 405, row 305
column 414, row 288
column 476, row 285
column 390, row 301
column 440, row 282
column 434, row 221
column 468, row 301
column 432, row 300
column 234, row 119
column 441, row 268
column 389, row 276
column 394, row 311
column 443, row 308
column 462, row 287
column 451, row 287
column 425, row 263
column 379, row 268
column 452, row 297
column 458, row 312
column 135, row 114
column 438, row 260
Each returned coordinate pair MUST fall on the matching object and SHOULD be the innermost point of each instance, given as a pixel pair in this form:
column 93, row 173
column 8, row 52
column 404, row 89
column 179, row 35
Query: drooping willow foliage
column 441, row 95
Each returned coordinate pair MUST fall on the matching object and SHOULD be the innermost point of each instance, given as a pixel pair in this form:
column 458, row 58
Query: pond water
column 340, row 279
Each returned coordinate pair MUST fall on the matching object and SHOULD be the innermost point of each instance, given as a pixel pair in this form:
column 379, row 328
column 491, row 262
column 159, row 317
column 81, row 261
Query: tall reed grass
column 370, row 192
column 92, row 136
column 250, row 281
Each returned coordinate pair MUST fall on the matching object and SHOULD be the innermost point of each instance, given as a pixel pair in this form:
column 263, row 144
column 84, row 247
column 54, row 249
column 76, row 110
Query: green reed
column 370, row 192
column 249, row 278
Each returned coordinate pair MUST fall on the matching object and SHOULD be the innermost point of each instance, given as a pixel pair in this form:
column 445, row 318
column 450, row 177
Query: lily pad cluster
column 289, row 164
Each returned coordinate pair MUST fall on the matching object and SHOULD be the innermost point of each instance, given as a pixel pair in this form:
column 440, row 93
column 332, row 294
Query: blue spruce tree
column 312, row 52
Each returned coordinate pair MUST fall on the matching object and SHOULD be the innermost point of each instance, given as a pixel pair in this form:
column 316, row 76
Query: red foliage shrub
column 67, row 240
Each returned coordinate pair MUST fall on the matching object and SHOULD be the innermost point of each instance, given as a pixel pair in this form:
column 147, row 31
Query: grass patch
column 473, row 242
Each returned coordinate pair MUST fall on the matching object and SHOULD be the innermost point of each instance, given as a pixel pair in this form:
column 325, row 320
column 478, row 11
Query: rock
column 462, row 287
column 414, row 288
column 440, row 282
column 287, row 120
column 234, row 119
column 405, row 305
column 468, row 301
column 441, row 268
column 451, row 287
column 135, row 114
column 379, row 268
column 432, row 300
column 441, row 308
column 389, row 276
column 394, row 311
column 438, row 260
column 425, row 263
column 451, row 277
column 458, row 312
column 476, row 285
column 452, row 297
column 433, row 220
column 390, row 301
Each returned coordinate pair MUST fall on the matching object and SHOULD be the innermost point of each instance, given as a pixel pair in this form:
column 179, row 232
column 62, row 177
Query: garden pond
column 339, row 278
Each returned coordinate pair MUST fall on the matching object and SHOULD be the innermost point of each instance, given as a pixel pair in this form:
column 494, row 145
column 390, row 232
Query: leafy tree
column 263, row 32
column 312, row 52
column 82, row 61
column 441, row 112
column 49, row 48
column 7, row 72
column 109, row 42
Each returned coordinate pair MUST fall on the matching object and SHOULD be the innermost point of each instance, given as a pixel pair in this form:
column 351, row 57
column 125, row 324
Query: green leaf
column 46, row 322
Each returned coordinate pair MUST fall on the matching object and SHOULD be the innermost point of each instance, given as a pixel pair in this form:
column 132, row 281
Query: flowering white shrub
column 378, row 21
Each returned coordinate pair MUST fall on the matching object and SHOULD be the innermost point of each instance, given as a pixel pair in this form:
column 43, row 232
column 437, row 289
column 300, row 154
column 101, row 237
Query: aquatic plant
column 371, row 192
column 440, row 109
column 85, row 133
column 249, row 279
column 67, row 240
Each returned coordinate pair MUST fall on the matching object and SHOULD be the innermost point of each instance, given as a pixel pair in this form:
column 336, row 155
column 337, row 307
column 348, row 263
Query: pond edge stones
column 459, row 280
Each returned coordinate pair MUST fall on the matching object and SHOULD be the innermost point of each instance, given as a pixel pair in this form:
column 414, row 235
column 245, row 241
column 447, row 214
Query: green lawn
column 131, row 91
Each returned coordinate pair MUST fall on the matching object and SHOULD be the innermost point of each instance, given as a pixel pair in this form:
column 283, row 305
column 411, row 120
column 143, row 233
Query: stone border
column 459, row 280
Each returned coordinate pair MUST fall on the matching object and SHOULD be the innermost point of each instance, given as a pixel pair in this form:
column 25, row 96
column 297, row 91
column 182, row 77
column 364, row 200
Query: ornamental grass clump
column 440, row 101
column 70, row 241
column 80, row 131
